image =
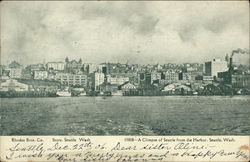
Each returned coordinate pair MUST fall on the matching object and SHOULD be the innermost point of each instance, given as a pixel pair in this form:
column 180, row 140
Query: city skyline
column 237, row 61
column 134, row 32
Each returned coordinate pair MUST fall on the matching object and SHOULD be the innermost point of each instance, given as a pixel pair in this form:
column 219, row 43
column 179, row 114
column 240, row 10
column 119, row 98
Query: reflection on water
column 166, row 115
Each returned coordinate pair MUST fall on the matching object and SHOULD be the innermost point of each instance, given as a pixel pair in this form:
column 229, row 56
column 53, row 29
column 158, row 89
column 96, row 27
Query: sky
column 121, row 31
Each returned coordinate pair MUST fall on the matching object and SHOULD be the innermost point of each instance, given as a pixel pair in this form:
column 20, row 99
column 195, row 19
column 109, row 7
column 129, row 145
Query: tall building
column 213, row 67
column 91, row 67
column 97, row 79
column 145, row 78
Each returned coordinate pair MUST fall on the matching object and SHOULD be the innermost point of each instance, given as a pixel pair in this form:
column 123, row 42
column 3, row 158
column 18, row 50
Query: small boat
column 239, row 92
column 92, row 93
column 64, row 93
column 107, row 93
column 83, row 94
column 195, row 93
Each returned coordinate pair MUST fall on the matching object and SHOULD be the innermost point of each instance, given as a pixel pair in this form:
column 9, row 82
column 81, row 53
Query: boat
column 92, row 93
column 83, row 94
column 195, row 93
column 64, row 93
column 107, row 93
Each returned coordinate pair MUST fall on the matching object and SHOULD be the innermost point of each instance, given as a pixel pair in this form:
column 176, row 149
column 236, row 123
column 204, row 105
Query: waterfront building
column 55, row 66
column 40, row 75
column 41, row 85
column 129, row 89
column 113, row 88
column 212, row 68
column 12, row 84
column 177, row 89
column 170, row 87
column 216, row 89
column 127, row 86
column 241, row 80
column 72, row 79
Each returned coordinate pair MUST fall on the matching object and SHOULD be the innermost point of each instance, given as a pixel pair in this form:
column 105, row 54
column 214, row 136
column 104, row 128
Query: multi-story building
column 73, row 64
column 208, row 78
column 241, row 80
column 55, row 66
column 51, row 76
column 91, row 68
column 97, row 80
column 41, row 75
column 72, row 79
column 15, row 73
column 35, row 67
column 213, row 67
column 155, row 76
column 145, row 78
column 15, row 70
column 171, row 77
column 117, row 80
column 26, row 74
column 189, row 76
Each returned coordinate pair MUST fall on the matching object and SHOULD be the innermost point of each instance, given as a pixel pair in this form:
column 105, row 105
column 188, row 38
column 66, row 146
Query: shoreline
column 127, row 96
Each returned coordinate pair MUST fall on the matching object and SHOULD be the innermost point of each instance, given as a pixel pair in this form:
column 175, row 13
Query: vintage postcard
column 124, row 81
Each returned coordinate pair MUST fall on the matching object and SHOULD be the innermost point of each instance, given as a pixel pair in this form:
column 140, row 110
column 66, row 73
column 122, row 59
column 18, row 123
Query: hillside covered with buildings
column 74, row 78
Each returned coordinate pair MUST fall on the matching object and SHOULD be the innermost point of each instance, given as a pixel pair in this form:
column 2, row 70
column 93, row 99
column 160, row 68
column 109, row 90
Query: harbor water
column 159, row 115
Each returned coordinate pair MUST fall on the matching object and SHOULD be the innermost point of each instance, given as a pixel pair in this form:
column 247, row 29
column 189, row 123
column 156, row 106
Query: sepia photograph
column 125, row 68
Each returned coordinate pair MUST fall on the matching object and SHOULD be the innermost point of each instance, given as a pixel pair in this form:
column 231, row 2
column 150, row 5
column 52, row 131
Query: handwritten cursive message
column 124, row 148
